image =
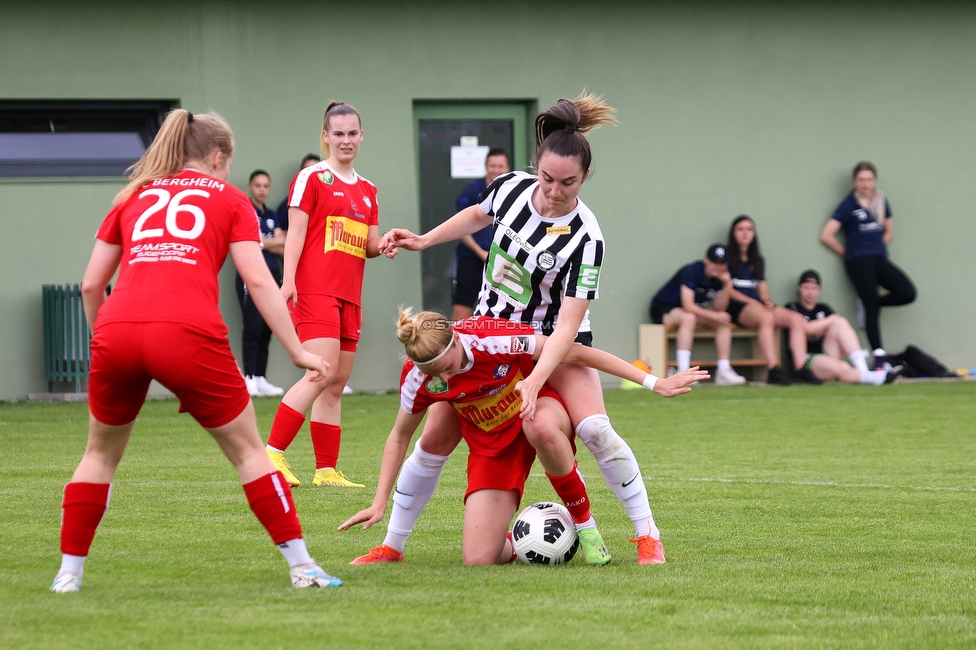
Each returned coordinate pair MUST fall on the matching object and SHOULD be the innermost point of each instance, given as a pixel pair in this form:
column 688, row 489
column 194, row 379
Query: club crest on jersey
column 327, row 178
column 436, row 386
column 502, row 370
column 546, row 260
column 369, row 204
column 520, row 343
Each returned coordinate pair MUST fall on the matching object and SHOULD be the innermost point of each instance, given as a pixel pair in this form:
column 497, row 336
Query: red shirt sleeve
column 110, row 231
column 245, row 226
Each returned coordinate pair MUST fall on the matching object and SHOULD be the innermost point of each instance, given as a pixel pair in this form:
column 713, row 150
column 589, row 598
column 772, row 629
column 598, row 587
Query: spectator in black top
column 697, row 295
column 750, row 305
column 309, row 160
column 866, row 218
column 831, row 339
column 255, row 333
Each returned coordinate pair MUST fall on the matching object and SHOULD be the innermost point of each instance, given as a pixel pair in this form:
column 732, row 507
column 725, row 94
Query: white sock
column 876, row 377
column 415, row 485
column 684, row 359
column 589, row 523
column 723, row 364
column 620, row 470
column 295, row 553
column 274, row 449
column 859, row 359
column 72, row 564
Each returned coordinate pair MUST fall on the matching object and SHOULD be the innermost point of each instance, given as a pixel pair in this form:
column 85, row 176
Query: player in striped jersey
column 543, row 269
column 476, row 366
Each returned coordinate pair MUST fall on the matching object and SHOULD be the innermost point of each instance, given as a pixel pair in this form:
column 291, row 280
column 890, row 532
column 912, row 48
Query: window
column 76, row 138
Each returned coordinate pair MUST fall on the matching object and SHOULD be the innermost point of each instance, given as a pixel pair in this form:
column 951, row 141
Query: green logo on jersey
column 589, row 277
column 326, row 177
column 508, row 276
column 435, row 386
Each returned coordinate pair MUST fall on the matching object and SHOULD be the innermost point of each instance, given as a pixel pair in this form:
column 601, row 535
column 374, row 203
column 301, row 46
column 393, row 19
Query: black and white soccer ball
column 544, row 533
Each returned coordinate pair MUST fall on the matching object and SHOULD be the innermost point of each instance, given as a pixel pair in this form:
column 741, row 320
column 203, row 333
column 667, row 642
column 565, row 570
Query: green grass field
column 799, row 517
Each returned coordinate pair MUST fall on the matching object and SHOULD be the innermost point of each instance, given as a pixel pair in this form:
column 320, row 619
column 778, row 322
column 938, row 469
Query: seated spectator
column 750, row 306
column 831, row 339
column 697, row 295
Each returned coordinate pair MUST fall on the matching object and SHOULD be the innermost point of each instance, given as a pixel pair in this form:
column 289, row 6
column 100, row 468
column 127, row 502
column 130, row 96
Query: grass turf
column 800, row 517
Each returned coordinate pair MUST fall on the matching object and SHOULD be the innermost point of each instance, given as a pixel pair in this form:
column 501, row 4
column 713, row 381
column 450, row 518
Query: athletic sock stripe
column 281, row 491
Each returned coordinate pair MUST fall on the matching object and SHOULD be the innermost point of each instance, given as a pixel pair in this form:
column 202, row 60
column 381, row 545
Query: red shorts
column 506, row 471
column 327, row 317
column 509, row 469
column 199, row 368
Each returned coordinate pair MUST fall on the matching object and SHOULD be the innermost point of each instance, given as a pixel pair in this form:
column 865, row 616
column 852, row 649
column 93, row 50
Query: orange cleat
column 381, row 553
column 649, row 550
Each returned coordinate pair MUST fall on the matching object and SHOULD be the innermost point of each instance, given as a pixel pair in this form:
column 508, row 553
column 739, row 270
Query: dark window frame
column 139, row 117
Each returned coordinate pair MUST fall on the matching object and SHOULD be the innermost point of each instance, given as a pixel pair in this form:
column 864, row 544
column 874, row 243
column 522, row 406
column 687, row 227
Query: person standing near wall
column 865, row 217
column 168, row 235
column 255, row 333
column 472, row 250
column 333, row 227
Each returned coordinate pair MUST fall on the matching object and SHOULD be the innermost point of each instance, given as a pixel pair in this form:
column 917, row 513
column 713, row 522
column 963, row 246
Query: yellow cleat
column 281, row 464
column 332, row 478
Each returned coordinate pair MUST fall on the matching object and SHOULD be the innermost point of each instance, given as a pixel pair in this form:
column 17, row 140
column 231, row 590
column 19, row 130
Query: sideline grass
column 800, row 517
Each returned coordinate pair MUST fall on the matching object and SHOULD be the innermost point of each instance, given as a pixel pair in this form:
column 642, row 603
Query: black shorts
column 466, row 285
column 659, row 311
column 585, row 338
column 735, row 309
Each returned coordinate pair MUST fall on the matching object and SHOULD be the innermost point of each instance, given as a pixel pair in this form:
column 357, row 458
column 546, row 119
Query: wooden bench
column 655, row 342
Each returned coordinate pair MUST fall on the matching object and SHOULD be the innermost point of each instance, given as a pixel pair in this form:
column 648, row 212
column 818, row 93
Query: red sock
column 572, row 491
column 270, row 499
column 81, row 512
column 287, row 423
column 325, row 443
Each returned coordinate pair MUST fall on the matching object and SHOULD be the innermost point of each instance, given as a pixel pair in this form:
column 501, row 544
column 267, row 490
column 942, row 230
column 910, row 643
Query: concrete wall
column 757, row 108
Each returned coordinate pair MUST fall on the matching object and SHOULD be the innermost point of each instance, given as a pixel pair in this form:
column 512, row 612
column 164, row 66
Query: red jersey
column 499, row 354
column 175, row 233
column 340, row 212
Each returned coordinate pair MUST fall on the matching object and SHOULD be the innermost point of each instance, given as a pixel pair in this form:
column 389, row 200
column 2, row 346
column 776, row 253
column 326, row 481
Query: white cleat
column 303, row 577
column 252, row 386
column 66, row 583
column 267, row 389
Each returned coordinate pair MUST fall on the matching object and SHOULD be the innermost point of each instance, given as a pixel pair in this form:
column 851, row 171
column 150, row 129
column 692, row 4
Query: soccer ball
column 544, row 533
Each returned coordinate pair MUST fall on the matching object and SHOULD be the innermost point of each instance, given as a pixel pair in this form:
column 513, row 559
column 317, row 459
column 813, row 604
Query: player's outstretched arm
column 606, row 362
column 466, row 222
column 393, row 454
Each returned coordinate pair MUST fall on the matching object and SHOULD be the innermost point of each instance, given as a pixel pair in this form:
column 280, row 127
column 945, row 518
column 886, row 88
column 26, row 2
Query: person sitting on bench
column 831, row 339
column 698, row 294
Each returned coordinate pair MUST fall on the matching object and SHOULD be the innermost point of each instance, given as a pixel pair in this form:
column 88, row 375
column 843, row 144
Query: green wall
column 757, row 108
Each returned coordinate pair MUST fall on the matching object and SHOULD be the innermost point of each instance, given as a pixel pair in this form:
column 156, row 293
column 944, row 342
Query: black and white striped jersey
column 533, row 262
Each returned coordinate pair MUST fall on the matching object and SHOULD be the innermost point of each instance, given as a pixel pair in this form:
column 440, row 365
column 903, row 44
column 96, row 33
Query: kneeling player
column 475, row 366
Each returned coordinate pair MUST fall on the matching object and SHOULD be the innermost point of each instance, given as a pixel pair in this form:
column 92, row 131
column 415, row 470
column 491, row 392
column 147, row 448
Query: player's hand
column 316, row 366
column 529, row 392
column 769, row 304
column 723, row 318
column 366, row 517
column 401, row 238
column 725, row 278
column 289, row 293
column 680, row 383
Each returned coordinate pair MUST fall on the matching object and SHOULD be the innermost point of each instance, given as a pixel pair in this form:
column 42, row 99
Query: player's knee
column 689, row 320
column 597, row 433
